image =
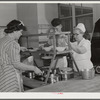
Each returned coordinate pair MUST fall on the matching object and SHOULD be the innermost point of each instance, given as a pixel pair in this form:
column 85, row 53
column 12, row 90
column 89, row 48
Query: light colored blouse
column 83, row 60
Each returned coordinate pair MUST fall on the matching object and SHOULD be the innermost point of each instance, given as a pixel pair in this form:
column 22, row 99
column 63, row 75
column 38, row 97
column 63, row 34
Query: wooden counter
column 72, row 85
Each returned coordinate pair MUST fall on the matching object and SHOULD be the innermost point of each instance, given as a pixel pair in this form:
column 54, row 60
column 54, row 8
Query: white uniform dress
column 83, row 61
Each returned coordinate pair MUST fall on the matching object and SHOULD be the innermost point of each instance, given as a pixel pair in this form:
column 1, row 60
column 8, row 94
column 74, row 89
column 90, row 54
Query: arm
column 23, row 48
column 13, row 53
column 24, row 67
column 78, row 49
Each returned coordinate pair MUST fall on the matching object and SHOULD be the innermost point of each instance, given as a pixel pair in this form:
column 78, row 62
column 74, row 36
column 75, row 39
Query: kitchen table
column 73, row 85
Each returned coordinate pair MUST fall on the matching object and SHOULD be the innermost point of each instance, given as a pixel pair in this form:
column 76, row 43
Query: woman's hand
column 23, row 49
column 38, row 71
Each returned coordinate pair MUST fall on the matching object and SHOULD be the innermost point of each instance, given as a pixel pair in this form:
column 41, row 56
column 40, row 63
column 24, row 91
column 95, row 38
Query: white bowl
column 60, row 48
column 47, row 48
column 47, row 57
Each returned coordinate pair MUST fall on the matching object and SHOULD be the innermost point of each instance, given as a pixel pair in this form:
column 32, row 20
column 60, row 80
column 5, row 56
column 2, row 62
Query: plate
column 47, row 57
column 68, row 32
column 60, row 49
column 35, row 49
column 66, row 69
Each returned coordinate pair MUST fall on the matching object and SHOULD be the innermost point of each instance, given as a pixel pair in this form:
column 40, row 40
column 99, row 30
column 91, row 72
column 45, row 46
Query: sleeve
column 87, row 44
column 13, row 52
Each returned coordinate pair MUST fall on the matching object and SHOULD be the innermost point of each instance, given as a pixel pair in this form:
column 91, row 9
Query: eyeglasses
column 75, row 34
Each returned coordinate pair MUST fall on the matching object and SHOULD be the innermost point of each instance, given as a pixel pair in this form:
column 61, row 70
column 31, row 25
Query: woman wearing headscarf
column 10, row 65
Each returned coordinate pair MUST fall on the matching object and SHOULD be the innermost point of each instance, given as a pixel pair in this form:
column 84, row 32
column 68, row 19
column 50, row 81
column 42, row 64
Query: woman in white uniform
column 81, row 48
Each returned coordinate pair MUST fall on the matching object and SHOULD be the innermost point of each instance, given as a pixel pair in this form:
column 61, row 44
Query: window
column 65, row 14
column 72, row 14
column 65, row 8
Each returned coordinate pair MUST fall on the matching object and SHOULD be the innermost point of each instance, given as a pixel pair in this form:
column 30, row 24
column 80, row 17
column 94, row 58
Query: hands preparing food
column 38, row 71
column 23, row 49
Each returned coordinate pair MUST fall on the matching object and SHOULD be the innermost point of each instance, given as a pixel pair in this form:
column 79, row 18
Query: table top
column 73, row 85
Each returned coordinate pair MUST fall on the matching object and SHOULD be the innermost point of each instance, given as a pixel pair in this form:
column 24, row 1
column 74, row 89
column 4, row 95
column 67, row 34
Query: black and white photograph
column 50, row 47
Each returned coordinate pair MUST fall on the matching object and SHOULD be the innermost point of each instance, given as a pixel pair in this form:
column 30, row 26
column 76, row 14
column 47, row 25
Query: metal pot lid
column 66, row 69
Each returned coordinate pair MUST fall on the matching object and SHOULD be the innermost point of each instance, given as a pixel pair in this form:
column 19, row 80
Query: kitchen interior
column 37, row 18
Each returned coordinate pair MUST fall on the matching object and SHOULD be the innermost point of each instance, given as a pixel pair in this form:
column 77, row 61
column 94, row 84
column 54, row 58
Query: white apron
column 83, row 60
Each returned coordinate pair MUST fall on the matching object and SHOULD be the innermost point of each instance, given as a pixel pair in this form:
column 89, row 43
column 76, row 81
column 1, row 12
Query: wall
column 34, row 16
column 96, row 12
column 28, row 14
column 8, row 12
column 46, row 12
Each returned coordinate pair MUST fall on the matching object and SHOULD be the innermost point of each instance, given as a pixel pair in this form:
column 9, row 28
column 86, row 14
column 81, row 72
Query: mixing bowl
column 60, row 48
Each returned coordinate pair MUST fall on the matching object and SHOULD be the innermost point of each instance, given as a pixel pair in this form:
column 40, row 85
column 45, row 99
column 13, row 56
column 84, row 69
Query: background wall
column 36, row 16
column 96, row 12
column 7, row 13
column 46, row 12
column 28, row 14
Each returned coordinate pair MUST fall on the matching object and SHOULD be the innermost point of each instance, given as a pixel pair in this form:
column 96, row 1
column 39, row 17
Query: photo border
column 50, row 95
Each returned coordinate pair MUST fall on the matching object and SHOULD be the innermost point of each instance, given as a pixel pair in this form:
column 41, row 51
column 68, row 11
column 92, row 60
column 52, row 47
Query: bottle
column 56, row 75
column 65, row 75
column 52, row 78
column 57, row 78
column 30, row 75
column 33, row 75
column 55, row 72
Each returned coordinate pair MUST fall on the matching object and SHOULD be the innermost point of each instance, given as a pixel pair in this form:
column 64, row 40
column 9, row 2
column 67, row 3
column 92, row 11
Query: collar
column 81, row 41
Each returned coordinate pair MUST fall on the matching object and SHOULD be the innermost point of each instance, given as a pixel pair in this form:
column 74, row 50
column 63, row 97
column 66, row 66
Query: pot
column 67, row 73
column 64, row 76
column 30, row 74
column 88, row 73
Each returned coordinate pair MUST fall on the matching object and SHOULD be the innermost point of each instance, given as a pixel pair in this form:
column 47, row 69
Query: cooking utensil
column 88, row 73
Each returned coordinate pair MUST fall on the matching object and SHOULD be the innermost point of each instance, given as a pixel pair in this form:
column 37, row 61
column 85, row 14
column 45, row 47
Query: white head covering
column 21, row 23
column 2, row 33
column 81, row 26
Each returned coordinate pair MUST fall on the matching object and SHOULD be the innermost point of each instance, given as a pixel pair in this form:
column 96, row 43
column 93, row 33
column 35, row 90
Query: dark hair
column 14, row 25
column 55, row 22
column 87, row 36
